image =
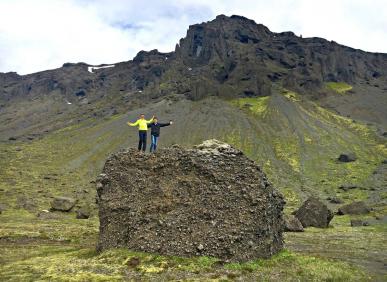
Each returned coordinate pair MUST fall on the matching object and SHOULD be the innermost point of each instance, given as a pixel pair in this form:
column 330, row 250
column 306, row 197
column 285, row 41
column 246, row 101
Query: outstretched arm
column 132, row 124
column 165, row 124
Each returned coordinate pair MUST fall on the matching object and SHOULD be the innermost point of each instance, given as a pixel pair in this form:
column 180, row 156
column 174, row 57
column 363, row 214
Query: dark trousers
column 142, row 140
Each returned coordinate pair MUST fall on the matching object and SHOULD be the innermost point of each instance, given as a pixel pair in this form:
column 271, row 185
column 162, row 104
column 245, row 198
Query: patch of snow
column 189, row 69
column 92, row 68
column 166, row 58
column 68, row 102
column 198, row 50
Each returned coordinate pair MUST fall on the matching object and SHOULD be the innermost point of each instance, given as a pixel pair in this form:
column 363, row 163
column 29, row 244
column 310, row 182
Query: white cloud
column 44, row 34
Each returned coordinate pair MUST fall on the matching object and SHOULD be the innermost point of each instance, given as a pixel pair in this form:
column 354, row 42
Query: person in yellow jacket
column 142, row 124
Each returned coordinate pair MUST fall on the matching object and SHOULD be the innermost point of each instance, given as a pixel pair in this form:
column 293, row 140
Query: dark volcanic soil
column 210, row 200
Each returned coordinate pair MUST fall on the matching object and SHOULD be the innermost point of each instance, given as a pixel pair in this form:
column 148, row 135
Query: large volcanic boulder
column 314, row 213
column 210, row 200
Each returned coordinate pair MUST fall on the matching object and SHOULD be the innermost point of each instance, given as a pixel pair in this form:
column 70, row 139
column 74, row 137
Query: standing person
column 142, row 124
column 155, row 132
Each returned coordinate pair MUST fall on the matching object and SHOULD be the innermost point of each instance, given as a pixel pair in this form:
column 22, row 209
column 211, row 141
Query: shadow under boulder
column 314, row 213
column 210, row 200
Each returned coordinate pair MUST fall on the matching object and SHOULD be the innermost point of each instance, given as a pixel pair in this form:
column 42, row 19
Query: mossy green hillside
column 339, row 87
column 302, row 140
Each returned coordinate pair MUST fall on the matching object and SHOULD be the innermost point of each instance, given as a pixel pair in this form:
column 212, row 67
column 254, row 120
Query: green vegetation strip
column 339, row 87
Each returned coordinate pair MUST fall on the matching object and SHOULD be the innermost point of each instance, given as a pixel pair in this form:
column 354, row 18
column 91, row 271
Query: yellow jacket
column 141, row 123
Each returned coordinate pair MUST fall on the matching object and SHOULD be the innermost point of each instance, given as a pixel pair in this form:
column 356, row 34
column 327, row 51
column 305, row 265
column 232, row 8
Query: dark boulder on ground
column 359, row 222
column 210, row 200
column 314, row 213
column 354, row 208
column 335, row 200
column 347, row 157
column 83, row 213
column 346, row 186
column 292, row 224
column 63, row 204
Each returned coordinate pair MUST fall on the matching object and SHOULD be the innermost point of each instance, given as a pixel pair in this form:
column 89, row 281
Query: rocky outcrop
column 210, row 200
column 63, row 204
column 314, row 213
column 354, row 208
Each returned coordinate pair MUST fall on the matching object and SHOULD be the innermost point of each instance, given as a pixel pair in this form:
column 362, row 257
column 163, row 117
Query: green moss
column 256, row 105
column 291, row 95
column 339, row 87
column 69, row 264
column 303, row 267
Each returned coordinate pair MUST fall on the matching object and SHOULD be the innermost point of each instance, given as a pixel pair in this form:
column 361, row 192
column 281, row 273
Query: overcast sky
column 43, row 34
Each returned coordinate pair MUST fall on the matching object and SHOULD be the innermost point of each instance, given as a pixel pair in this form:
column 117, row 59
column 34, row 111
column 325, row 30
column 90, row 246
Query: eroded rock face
column 314, row 213
column 210, row 200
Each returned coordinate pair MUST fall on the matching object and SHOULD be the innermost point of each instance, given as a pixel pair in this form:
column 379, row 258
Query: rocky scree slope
column 210, row 200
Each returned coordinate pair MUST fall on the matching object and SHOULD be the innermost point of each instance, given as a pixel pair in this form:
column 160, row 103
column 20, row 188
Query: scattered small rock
column 354, row 208
column 83, row 213
column 359, row 222
column 63, row 204
column 133, row 262
column 384, row 161
column 314, row 213
column 346, row 187
column 334, row 200
column 200, row 247
column 23, row 202
column 347, row 157
column 12, row 138
column 292, row 224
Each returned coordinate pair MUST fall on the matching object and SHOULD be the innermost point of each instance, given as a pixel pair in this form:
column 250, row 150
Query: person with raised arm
column 142, row 125
column 155, row 132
